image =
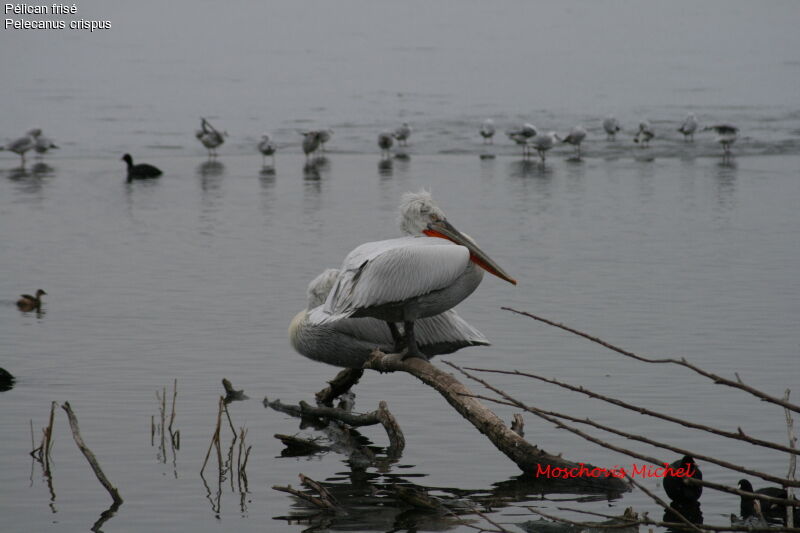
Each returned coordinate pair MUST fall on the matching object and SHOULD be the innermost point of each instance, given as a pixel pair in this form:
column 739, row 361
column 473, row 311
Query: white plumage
column 575, row 137
column 404, row 279
column 22, row 144
column 487, row 131
column 611, row 127
column 267, row 148
column 349, row 342
column 523, row 136
column 726, row 135
column 402, row 134
column 688, row 127
column 210, row 137
column 543, row 142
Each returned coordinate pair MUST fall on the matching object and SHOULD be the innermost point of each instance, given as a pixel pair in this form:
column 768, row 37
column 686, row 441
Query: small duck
column 140, row 171
column 27, row 302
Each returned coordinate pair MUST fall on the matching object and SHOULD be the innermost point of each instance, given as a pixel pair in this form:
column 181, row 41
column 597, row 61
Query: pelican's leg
column 396, row 337
column 412, row 350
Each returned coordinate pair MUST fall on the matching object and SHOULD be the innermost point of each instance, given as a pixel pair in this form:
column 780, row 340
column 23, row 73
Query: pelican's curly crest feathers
column 417, row 209
column 320, row 286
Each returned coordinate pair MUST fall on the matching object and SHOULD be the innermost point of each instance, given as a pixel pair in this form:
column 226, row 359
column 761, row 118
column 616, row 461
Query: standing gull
column 324, row 136
column 22, row 144
column 726, row 135
column 522, row 136
column 644, row 134
column 487, row 131
column 349, row 342
column 543, row 142
column 688, row 127
column 418, row 276
column 611, row 127
column 267, row 148
column 311, row 141
column 402, row 134
column 575, row 137
column 43, row 144
column 385, row 142
column 210, row 137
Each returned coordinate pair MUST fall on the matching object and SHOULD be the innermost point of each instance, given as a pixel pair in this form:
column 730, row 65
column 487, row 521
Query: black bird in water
column 675, row 484
column 27, row 302
column 140, row 171
column 773, row 512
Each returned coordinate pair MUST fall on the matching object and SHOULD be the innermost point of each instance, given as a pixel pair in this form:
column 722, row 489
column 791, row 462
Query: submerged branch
column 524, row 454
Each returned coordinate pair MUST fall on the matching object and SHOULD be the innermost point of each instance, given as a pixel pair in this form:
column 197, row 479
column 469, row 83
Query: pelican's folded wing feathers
column 394, row 270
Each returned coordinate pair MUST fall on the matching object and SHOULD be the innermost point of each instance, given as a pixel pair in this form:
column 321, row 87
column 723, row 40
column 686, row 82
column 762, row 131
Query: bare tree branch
column 738, row 384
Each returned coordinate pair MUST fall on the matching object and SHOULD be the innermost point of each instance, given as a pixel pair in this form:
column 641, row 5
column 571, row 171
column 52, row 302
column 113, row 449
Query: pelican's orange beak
column 444, row 230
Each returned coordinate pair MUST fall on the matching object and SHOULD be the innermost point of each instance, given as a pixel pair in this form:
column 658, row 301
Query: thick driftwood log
column 526, row 456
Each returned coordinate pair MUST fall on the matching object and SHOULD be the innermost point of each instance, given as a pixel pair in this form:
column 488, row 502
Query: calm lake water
column 667, row 251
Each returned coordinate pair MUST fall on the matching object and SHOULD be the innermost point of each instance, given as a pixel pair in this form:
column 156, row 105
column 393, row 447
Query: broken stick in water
column 76, row 434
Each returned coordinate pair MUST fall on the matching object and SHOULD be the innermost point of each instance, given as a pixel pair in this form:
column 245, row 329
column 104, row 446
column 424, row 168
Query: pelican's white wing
column 394, row 270
column 353, row 339
column 446, row 333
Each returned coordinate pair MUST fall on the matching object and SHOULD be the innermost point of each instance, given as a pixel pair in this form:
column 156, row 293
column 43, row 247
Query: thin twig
column 739, row 435
column 738, row 384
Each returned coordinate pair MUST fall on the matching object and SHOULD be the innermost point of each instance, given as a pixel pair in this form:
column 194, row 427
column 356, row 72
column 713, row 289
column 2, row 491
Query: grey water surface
column 671, row 251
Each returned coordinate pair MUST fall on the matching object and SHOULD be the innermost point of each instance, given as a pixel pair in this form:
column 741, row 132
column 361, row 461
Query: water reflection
column 367, row 501
column 385, row 168
column 313, row 167
column 689, row 510
column 402, row 163
column 210, row 168
column 725, row 178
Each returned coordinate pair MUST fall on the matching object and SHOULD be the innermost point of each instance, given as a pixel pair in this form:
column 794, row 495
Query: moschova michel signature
column 616, row 471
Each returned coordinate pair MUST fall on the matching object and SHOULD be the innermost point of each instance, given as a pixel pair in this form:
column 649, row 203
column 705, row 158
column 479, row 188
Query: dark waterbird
column 675, row 484
column 140, row 171
column 6, row 380
column 27, row 302
column 773, row 512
